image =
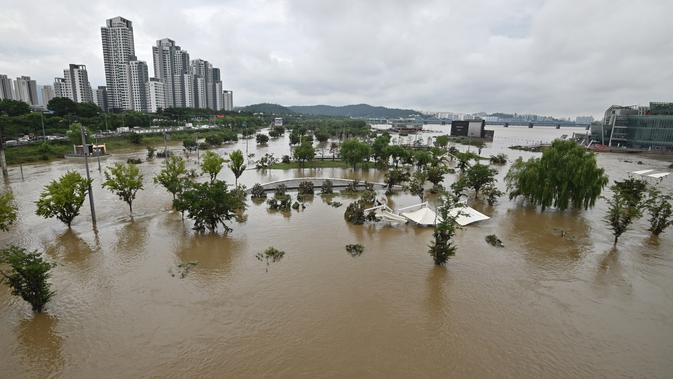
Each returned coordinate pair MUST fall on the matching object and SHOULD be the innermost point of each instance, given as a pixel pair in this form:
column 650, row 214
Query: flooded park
column 149, row 297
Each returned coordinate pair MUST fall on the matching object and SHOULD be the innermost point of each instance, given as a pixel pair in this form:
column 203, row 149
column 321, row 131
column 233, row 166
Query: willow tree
column 566, row 175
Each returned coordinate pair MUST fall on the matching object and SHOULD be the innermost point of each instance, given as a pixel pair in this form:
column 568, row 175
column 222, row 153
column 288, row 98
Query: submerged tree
column 212, row 164
column 63, row 197
column 236, row 164
column 270, row 255
column 327, row 187
column 476, row 177
column 210, row 204
column 354, row 152
column 304, row 153
column 396, row 177
column 124, row 180
column 566, row 175
column 416, row 184
column 625, row 206
column 173, row 175
column 442, row 246
column 27, row 276
column 435, row 175
column 8, row 211
column 660, row 210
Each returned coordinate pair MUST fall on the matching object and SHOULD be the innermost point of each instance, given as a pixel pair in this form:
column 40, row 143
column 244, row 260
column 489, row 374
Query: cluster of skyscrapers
column 23, row 88
column 178, row 81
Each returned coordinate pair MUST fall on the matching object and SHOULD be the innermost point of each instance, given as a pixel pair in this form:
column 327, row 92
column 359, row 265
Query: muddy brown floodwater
column 545, row 305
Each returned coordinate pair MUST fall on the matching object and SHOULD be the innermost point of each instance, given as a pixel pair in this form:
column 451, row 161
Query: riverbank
column 56, row 150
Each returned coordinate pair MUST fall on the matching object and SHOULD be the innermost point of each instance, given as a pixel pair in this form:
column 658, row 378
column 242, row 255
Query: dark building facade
column 471, row 128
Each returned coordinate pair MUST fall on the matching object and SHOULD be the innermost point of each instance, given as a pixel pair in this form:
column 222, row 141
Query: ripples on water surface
column 544, row 306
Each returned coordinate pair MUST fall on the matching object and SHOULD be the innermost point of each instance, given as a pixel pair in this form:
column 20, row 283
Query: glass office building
column 649, row 128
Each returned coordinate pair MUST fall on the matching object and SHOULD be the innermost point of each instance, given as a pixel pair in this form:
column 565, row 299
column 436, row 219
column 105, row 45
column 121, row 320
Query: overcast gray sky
column 556, row 57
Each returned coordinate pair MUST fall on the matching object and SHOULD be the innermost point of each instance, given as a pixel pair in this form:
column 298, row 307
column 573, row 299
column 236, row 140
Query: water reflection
column 40, row 345
column 70, row 248
column 131, row 241
column 213, row 253
column 550, row 238
column 438, row 280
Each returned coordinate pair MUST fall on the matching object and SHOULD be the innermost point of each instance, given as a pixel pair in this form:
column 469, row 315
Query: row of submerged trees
column 63, row 198
column 209, row 204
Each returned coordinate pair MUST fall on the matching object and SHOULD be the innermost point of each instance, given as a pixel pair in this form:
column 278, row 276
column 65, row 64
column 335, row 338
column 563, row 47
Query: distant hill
column 358, row 110
column 266, row 108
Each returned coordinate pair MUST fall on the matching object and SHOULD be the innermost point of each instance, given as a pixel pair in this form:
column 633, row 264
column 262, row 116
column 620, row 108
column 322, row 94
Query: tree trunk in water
column 3, row 161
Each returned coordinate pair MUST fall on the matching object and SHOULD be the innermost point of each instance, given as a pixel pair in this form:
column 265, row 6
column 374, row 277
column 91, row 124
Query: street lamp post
column 88, row 176
column 44, row 135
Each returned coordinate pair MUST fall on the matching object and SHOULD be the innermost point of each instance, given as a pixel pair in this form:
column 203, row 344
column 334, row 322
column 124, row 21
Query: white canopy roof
column 659, row 175
column 426, row 216
column 468, row 215
column 423, row 216
column 642, row 172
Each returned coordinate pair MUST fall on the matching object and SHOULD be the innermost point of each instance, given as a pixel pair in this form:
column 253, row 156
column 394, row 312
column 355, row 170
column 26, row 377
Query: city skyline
column 542, row 57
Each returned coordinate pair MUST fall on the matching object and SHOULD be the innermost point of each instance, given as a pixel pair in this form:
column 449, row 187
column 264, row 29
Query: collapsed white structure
column 421, row 214
column 652, row 173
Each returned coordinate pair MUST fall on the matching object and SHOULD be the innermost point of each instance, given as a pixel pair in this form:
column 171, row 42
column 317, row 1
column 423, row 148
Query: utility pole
column 44, row 135
column 98, row 154
column 88, row 177
column 3, row 161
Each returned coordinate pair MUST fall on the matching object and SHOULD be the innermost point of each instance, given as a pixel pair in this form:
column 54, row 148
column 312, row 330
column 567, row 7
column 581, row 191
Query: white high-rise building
column 6, row 88
column 228, row 100
column 77, row 84
column 47, row 94
column 200, row 98
column 208, row 87
column 187, row 91
column 156, row 96
column 118, row 51
column 60, row 88
column 139, row 76
column 25, row 89
column 219, row 98
column 171, row 64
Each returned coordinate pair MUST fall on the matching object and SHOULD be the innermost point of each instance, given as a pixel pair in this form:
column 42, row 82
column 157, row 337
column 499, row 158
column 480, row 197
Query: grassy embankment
column 56, row 150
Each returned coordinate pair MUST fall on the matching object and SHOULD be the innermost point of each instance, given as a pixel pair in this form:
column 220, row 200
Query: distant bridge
column 317, row 183
column 506, row 123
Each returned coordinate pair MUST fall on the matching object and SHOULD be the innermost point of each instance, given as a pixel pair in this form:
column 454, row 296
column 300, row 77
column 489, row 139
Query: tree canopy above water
column 566, row 175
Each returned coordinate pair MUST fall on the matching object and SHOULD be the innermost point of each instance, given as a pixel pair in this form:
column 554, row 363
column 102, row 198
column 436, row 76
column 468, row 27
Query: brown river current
column 545, row 305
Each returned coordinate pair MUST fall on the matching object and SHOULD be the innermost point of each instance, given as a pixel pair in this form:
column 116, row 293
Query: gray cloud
column 554, row 57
